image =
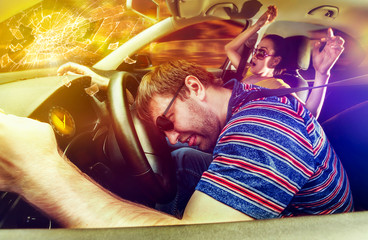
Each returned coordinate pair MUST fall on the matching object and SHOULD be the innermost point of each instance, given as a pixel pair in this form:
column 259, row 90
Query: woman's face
column 263, row 62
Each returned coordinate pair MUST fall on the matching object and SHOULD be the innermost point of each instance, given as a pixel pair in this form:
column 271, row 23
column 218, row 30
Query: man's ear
column 195, row 86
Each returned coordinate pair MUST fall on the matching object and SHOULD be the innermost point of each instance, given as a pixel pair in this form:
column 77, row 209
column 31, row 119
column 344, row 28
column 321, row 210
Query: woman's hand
column 324, row 60
column 233, row 48
column 267, row 17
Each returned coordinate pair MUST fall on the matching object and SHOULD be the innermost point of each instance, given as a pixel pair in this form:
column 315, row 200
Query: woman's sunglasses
column 162, row 122
column 260, row 53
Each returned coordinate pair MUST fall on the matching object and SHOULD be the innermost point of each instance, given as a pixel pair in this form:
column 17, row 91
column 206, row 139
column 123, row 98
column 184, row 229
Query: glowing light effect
column 92, row 90
column 54, row 37
column 113, row 46
column 53, row 32
column 16, row 33
column 5, row 61
column 44, row 37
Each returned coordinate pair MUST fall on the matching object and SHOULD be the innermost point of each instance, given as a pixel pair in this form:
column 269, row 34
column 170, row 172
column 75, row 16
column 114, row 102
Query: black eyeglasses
column 260, row 53
column 162, row 122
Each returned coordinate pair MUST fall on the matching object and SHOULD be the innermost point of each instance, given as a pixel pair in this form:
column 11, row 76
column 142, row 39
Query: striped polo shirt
column 272, row 159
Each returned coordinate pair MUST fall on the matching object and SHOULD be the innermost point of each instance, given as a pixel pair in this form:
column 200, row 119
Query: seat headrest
column 297, row 53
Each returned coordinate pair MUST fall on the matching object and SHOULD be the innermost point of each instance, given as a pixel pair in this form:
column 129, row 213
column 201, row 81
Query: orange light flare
column 51, row 34
column 55, row 36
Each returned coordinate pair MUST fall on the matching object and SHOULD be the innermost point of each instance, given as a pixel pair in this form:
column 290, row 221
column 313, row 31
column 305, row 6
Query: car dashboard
column 82, row 129
column 70, row 111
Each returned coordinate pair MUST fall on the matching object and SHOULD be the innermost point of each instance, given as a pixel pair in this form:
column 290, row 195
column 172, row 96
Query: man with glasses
column 262, row 146
column 271, row 158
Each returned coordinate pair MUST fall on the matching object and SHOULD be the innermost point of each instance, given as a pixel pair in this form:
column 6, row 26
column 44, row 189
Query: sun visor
column 194, row 8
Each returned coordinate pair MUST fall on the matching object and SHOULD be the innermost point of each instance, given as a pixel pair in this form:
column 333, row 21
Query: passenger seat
column 298, row 54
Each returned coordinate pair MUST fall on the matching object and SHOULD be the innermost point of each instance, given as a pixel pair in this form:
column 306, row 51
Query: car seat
column 347, row 131
column 297, row 58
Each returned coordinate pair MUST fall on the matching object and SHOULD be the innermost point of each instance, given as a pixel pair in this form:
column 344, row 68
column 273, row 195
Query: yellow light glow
column 54, row 32
column 62, row 121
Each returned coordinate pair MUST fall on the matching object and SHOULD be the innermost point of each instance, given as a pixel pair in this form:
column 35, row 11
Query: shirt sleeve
column 262, row 159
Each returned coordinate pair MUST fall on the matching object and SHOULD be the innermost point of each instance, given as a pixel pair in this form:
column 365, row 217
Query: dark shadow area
column 347, row 132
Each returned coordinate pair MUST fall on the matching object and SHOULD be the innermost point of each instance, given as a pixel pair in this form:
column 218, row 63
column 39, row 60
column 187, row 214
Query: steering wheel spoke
column 144, row 149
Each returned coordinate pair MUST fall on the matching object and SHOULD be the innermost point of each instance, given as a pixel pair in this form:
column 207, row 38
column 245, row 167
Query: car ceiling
column 348, row 16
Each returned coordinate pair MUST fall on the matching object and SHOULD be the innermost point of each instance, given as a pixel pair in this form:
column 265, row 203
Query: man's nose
column 173, row 136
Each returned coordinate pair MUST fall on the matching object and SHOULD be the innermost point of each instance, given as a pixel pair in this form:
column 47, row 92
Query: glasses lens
column 260, row 54
column 164, row 124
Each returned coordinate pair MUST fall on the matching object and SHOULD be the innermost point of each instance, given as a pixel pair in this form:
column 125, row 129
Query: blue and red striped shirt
column 272, row 159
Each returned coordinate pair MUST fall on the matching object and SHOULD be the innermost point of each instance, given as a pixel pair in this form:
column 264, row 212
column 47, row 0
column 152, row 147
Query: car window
column 53, row 32
column 202, row 43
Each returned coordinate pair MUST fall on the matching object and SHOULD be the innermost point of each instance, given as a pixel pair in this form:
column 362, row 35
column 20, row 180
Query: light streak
column 53, row 33
column 113, row 46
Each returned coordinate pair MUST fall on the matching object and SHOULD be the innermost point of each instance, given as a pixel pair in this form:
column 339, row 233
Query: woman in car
column 267, row 58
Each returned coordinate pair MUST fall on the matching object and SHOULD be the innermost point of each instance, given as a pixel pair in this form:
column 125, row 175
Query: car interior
column 102, row 135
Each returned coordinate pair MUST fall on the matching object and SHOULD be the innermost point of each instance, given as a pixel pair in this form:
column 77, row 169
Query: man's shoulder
column 271, row 107
column 268, row 116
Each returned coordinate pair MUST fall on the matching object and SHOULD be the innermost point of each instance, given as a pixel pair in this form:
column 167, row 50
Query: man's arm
column 31, row 166
column 202, row 208
column 72, row 68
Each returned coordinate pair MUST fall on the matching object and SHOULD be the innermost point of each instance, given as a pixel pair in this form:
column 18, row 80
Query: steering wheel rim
column 159, row 181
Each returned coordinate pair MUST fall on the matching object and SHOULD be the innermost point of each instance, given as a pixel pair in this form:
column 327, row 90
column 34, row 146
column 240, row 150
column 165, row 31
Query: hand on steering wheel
column 72, row 68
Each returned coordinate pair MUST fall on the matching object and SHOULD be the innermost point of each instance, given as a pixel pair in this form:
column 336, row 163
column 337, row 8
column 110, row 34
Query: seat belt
column 265, row 92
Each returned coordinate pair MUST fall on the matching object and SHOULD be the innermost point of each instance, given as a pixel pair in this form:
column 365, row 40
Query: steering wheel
column 144, row 149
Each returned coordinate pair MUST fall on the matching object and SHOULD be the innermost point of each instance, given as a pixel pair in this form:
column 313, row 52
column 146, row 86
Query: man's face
column 194, row 122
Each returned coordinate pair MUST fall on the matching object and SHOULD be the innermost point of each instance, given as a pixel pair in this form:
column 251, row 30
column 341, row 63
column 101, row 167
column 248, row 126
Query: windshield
column 53, row 32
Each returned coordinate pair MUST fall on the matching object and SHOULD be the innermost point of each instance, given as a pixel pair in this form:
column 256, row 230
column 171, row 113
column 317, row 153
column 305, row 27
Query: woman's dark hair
column 280, row 50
